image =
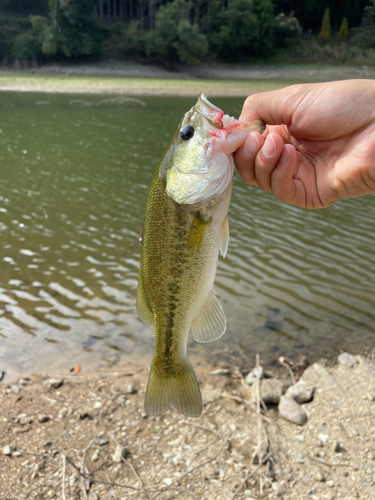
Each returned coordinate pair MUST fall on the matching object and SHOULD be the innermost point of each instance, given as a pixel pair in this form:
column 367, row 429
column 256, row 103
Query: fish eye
column 187, row 132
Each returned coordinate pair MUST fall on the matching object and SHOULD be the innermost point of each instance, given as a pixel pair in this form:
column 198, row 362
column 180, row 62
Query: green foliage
column 343, row 33
column 43, row 31
column 325, row 31
column 75, row 30
column 124, row 39
column 26, row 47
column 364, row 35
column 175, row 39
column 287, row 30
column 235, row 32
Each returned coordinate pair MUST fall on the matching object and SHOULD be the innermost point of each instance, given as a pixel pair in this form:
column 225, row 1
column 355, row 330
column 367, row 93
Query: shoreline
column 58, row 431
column 126, row 78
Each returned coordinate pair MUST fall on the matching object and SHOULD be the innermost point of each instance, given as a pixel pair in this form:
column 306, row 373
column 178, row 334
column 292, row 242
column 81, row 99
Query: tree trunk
column 141, row 15
column 109, row 10
column 114, row 8
column 101, row 9
column 121, row 9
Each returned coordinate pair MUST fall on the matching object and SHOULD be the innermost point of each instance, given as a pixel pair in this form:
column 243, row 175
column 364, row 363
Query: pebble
column 299, row 437
column 271, row 389
column 347, row 359
column 43, row 418
column 95, row 456
column 93, row 496
column 121, row 400
column 301, row 392
column 9, row 449
column 291, row 411
column 167, row 481
column 24, row 419
column 130, row 389
column 102, row 442
column 330, row 483
column 55, row 383
column 323, row 437
column 119, row 453
column 336, row 447
column 251, row 377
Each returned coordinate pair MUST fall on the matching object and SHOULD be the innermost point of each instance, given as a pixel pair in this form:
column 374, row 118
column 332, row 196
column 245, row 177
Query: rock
column 167, row 481
column 9, row 449
column 366, row 366
column 93, row 496
column 220, row 371
column 301, row 392
column 347, row 359
column 130, row 389
column 119, row 454
column 95, row 456
column 102, row 442
column 43, row 418
column 323, row 437
column 121, row 400
column 271, row 389
column 291, row 411
column 24, row 419
column 55, row 383
column 318, row 376
column 17, row 454
column 251, row 377
column 336, row 447
column 299, row 437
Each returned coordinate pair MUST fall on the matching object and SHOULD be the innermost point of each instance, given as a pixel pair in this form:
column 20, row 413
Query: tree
column 234, row 33
column 364, row 35
column 175, row 39
column 343, row 33
column 325, row 31
column 286, row 30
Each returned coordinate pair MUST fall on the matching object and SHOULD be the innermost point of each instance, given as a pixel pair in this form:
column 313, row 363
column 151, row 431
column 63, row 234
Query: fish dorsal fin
column 224, row 237
column 143, row 310
column 211, row 323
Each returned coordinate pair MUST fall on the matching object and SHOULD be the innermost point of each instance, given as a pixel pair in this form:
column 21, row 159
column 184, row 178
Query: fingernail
column 251, row 145
column 269, row 147
column 284, row 158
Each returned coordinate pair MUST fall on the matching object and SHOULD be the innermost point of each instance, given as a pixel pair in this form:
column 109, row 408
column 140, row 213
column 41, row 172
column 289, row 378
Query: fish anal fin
column 178, row 388
column 210, row 325
column 224, row 237
column 197, row 232
column 143, row 310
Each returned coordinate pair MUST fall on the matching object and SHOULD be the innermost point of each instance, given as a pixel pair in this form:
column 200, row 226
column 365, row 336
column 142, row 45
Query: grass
column 31, row 82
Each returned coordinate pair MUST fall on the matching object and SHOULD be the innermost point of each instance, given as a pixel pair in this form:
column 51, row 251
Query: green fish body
column 185, row 227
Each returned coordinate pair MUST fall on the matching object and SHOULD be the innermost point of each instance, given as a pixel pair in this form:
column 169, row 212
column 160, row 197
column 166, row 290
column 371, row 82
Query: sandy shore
column 86, row 437
column 136, row 79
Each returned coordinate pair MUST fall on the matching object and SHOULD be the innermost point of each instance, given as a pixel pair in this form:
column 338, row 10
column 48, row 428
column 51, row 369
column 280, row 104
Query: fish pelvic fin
column 176, row 387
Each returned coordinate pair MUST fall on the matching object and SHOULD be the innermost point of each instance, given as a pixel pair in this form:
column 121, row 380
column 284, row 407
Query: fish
column 185, row 227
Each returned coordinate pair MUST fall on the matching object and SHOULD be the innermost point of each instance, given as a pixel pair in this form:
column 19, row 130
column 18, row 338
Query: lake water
column 75, row 172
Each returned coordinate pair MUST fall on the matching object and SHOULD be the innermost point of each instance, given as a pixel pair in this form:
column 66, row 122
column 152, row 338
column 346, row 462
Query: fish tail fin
column 178, row 388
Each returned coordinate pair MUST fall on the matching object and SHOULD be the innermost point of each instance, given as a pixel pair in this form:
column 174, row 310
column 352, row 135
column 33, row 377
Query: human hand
column 319, row 145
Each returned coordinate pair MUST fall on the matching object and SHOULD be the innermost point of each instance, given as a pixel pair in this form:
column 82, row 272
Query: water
column 75, row 171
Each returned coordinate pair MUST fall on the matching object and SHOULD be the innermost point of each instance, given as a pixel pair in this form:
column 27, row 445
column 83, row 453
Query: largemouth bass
column 185, row 227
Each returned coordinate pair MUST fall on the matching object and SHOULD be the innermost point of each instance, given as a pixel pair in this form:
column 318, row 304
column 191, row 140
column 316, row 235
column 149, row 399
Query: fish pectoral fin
column 178, row 388
column 143, row 310
column 210, row 325
column 224, row 237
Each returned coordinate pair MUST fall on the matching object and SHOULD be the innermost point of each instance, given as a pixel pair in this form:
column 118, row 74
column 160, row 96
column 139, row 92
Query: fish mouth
column 212, row 113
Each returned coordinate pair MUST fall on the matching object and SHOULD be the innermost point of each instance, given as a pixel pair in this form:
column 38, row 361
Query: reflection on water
column 74, row 178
